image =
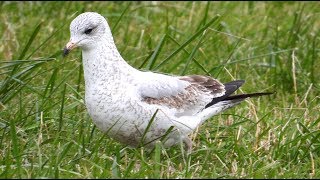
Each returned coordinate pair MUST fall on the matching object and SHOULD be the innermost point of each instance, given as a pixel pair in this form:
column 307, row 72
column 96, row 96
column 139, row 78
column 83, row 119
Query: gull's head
column 86, row 31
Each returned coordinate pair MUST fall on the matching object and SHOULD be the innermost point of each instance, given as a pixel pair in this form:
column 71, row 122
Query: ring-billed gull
column 138, row 108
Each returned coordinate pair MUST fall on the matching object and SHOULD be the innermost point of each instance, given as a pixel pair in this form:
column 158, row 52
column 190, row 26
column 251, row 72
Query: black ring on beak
column 66, row 51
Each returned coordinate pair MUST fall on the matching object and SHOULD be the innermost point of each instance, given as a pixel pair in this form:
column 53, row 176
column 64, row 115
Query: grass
column 45, row 131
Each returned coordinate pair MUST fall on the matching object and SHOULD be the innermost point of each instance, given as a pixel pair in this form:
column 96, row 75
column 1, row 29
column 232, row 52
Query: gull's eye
column 88, row 31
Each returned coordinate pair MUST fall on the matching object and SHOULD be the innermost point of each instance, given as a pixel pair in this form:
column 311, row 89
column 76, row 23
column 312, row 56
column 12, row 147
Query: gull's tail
column 227, row 101
column 244, row 96
column 230, row 88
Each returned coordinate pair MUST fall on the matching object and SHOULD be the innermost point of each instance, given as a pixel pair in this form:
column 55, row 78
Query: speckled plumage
column 121, row 100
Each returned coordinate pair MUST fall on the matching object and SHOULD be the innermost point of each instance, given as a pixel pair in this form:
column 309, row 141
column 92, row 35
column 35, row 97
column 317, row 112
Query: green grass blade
column 51, row 82
column 188, row 41
column 45, row 42
column 30, row 41
column 148, row 127
column 6, row 89
column 156, row 52
column 229, row 58
column 157, row 159
column 193, row 52
column 115, row 168
column 181, row 61
column 62, row 107
column 146, row 60
column 205, row 17
column 119, row 19
column 61, row 155
column 16, row 152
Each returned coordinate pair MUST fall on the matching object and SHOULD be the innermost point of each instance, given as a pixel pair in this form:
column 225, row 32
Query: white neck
column 104, row 62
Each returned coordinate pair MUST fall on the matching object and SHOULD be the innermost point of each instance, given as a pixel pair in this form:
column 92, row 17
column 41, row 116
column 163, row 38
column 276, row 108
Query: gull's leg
column 187, row 144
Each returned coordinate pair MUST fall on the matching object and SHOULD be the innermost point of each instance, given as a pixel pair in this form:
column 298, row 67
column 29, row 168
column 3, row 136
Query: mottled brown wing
column 197, row 95
column 206, row 84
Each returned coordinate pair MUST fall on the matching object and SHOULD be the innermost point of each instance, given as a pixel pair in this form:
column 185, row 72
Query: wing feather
column 187, row 94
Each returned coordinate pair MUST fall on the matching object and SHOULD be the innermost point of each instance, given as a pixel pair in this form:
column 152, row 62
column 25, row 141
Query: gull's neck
column 104, row 62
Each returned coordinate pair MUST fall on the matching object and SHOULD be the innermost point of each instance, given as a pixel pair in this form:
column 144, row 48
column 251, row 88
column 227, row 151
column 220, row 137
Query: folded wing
column 186, row 94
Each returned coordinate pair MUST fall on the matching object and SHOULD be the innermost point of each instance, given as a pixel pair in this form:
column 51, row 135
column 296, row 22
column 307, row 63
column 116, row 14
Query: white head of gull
column 139, row 108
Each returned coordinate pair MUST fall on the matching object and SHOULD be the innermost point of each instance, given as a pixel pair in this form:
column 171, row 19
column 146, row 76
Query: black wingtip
column 243, row 96
column 230, row 87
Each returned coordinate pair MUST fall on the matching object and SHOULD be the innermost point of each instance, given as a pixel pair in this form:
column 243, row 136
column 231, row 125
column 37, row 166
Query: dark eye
column 88, row 31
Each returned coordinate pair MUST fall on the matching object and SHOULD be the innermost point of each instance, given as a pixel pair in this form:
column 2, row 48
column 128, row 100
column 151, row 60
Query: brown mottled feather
column 200, row 85
column 211, row 85
column 177, row 101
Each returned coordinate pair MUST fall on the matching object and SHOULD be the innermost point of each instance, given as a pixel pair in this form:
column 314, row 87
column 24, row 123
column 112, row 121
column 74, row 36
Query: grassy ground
column 45, row 131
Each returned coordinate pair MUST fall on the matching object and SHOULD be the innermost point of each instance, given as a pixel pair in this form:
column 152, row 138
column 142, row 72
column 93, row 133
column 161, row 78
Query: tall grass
column 45, row 131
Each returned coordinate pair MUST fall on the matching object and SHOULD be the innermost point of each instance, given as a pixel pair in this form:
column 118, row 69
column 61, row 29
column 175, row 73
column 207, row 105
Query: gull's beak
column 70, row 45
